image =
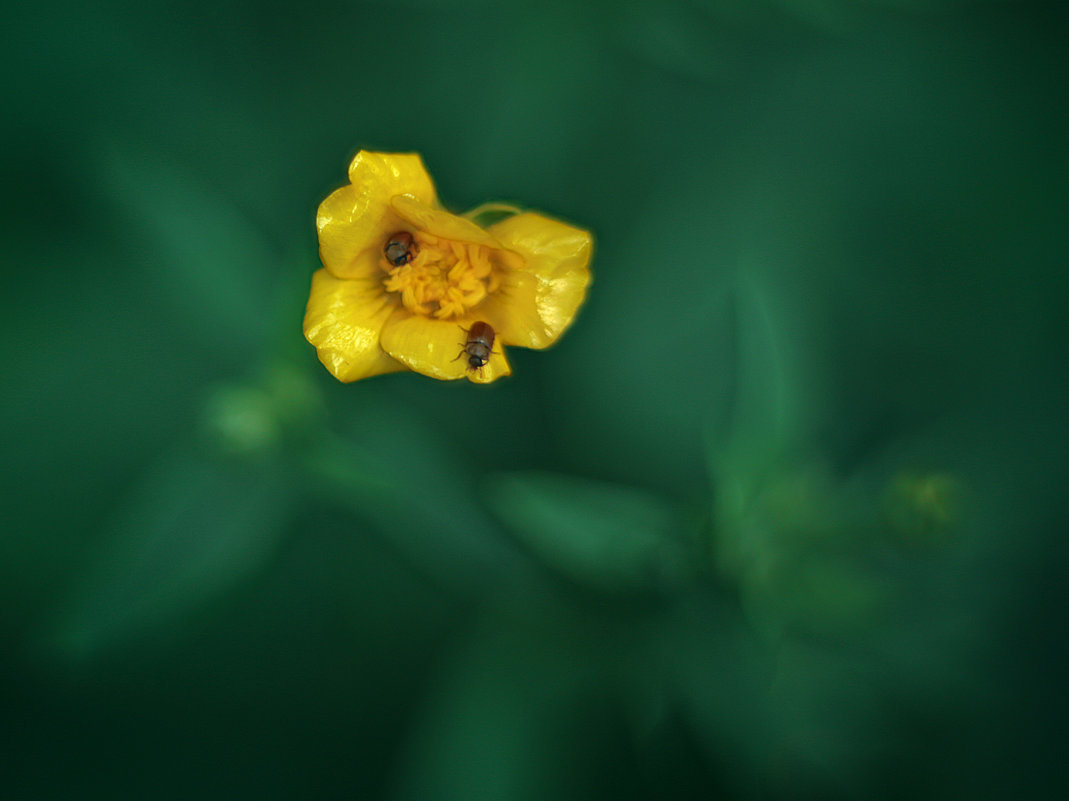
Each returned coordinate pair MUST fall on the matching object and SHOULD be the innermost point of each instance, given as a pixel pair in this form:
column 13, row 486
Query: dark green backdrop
column 781, row 517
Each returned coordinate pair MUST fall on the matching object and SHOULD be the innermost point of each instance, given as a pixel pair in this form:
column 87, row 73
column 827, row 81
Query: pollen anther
column 444, row 278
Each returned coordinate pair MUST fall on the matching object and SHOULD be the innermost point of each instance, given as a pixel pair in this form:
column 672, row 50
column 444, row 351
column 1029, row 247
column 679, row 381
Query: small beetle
column 479, row 345
column 400, row 248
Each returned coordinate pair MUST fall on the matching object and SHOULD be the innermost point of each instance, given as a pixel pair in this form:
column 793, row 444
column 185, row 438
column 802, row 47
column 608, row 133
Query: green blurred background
column 782, row 516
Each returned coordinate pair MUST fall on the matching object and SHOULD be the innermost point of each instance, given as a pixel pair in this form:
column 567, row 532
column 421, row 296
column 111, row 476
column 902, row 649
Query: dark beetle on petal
column 479, row 346
column 400, row 248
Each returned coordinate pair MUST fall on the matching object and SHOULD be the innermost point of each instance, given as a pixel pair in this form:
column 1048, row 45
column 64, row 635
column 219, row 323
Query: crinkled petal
column 395, row 173
column 440, row 223
column 351, row 233
column 434, row 348
column 344, row 320
column 355, row 220
column 534, row 306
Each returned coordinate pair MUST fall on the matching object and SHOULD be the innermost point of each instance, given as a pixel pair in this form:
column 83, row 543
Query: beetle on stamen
column 400, row 248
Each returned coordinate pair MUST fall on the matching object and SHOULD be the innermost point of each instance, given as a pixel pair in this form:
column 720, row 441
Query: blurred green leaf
column 766, row 419
column 388, row 465
column 253, row 416
column 505, row 716
column 817, row 593
column 192, row 528
column 703, row 665
column 525, row 704
column 788, row 533
column 214, row 270
column 762, row 434
column 603, row 534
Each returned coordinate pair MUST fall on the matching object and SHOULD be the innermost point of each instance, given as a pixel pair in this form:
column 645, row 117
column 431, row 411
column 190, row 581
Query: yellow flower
column 406, row 284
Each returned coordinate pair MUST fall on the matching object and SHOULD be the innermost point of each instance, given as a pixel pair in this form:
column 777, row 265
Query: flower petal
column 355, row 220
column 434, row 348
column 344, row 320
column 351, row 233
column 439, row 222
column 535, row 305
column 393, row 173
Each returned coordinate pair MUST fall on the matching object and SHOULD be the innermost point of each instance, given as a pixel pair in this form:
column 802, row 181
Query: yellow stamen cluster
column 444, row 279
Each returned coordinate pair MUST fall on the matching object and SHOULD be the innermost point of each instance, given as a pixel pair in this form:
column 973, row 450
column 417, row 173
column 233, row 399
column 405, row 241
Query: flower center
column 442, row 278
